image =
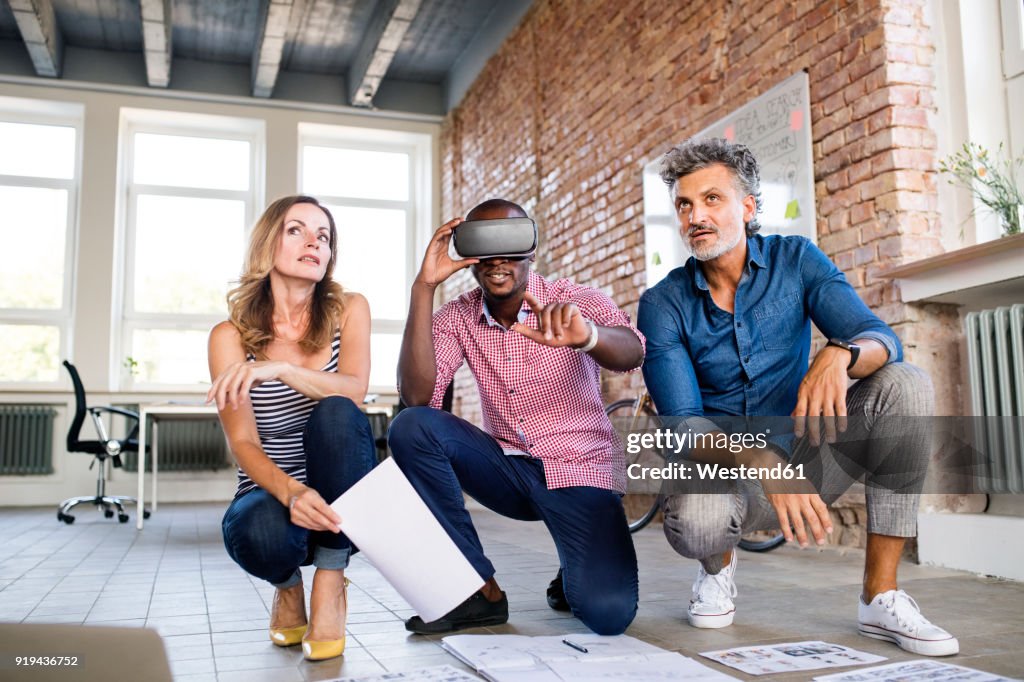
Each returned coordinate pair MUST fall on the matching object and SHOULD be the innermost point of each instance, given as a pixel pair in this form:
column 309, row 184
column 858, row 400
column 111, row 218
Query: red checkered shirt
column 542, row 401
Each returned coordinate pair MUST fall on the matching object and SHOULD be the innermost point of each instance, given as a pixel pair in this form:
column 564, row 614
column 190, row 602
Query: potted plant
column 992, row 179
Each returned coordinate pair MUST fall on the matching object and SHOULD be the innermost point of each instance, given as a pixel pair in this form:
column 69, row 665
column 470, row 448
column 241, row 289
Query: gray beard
column 719, row 248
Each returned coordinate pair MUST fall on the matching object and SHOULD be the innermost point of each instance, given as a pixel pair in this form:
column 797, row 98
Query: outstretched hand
column 437, row 264
column 558, row 324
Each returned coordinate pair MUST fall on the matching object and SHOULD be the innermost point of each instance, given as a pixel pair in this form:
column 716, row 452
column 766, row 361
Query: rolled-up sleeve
column 837, row 310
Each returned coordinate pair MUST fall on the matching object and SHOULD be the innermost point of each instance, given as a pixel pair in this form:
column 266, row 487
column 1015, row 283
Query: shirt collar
column 533, row 285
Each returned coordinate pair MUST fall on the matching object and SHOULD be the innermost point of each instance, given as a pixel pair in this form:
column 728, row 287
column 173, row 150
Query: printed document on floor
column 440, row 673
column 578, row 657
column 914, row 671
column 792, row 657
column 385, row 517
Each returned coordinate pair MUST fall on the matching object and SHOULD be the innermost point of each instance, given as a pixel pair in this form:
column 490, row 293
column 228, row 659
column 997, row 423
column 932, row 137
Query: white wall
column 96, row 264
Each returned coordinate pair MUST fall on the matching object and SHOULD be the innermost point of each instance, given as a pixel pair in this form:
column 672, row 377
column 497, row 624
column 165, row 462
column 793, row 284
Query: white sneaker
column 895, row 617
column 711, row 605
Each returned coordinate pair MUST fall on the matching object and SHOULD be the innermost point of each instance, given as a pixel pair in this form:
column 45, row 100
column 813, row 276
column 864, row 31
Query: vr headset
column 499, row 238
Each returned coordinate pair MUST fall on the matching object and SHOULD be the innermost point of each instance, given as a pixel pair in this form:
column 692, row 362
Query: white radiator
column 995, row 353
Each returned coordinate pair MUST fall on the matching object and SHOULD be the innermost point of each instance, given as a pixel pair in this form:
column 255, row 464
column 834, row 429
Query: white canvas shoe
column 711, row 605
column 895, row 617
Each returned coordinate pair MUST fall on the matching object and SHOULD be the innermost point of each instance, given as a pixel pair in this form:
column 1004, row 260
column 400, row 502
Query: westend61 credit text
column 704, row 471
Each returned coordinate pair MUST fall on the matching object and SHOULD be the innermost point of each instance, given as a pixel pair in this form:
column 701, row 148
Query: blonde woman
column 289, row 368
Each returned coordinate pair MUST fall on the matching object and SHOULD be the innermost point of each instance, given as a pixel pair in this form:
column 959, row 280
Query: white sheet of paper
column 488, row 653
column 663, row 667
column 443, row 673
column 385, row 517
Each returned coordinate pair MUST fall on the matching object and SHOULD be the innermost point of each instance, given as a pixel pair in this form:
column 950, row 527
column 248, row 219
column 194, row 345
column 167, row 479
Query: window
column 192, row 189
column 376, row 184
column 39, row 184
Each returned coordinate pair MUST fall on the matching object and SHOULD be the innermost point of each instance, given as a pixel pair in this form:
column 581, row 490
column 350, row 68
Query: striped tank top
column 281, row 415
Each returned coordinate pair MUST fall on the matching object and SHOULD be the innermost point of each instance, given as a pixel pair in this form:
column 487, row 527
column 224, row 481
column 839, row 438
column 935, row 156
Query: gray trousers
column 891, row 454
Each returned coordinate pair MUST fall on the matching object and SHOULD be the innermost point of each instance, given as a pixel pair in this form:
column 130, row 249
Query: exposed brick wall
column 582, row 94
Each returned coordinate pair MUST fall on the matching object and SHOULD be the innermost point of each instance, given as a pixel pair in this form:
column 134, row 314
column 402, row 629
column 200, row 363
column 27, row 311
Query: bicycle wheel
column 762, row 542
column 627, row 415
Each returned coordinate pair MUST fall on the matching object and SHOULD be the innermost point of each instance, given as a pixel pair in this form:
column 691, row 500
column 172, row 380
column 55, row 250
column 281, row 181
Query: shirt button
column 746, row 359
column 739, row 324
column 511, row 391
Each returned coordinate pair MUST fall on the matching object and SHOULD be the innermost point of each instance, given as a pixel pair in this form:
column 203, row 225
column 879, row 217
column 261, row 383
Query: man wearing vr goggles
column 548, row 451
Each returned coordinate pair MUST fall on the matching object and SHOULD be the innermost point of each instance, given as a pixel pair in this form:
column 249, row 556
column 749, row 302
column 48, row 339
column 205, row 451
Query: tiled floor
column 174, row 576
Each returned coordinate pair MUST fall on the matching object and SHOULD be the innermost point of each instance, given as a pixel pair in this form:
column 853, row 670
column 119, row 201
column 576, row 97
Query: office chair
column 103, row 449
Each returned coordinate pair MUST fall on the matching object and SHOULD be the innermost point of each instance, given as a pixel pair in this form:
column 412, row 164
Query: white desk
column 157, row 410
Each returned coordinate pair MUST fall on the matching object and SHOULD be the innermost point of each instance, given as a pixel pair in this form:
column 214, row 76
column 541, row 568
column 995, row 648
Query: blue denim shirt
column 702, row 360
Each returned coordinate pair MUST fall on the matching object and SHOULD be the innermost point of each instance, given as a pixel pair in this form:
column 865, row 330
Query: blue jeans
column 443, row 455
column 258, row 532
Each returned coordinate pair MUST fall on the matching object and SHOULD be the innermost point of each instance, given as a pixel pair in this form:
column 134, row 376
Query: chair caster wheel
column 122, row 518
column 66, row 518
column 108, row 513
column 146, row 514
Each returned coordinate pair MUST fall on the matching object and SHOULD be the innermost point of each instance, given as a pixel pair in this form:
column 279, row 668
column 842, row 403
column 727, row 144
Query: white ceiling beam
column 157, row 27
column 384, row 34
column 42, row 37
column 266, row 58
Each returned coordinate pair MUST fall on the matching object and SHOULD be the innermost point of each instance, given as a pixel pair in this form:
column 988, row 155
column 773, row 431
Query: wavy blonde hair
column 251, row 303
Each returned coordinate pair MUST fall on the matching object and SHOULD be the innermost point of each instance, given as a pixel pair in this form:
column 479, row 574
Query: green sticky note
column 793, row 210
column 656, row 259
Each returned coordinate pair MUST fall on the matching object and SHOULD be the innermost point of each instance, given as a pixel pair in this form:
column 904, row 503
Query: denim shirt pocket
column 780, row 320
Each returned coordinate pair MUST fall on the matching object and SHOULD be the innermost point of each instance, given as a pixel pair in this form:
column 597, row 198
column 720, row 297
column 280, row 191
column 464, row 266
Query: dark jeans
column 258, row 532
column 443, row 455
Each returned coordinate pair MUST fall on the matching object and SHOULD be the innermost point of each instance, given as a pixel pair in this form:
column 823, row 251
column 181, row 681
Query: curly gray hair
column 693, row 155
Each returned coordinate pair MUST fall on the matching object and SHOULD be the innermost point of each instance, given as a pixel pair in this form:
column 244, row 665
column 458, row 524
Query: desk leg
column 156, row 458
column 142, row 470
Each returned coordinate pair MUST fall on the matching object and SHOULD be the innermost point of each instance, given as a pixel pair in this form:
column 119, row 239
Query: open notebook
column 517, row 658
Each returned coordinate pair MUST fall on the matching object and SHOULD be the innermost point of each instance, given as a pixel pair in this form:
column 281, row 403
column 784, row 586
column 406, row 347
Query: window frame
column 185, row 124
column 1013, row 38
column 63, row 114
column 418, row 206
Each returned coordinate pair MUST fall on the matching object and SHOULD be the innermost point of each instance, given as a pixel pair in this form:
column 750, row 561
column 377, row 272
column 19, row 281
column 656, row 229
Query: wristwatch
column 591, row 340
column 847, row 345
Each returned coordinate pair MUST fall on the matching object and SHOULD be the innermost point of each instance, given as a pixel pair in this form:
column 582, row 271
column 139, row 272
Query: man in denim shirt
column 728, row 334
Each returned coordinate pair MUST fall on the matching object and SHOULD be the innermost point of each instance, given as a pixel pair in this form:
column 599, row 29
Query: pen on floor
column 574, row 645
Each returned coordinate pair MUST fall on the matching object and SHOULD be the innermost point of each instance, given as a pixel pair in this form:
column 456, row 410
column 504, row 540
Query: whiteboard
column 777, row 128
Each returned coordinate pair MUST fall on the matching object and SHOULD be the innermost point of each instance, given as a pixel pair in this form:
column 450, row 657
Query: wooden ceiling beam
column 39, row 30
column 157, row 27
column 266, row 58
column 385, row 32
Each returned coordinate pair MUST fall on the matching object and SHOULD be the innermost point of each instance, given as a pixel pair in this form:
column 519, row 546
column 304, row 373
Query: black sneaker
column 476, row 611
column 556, row 594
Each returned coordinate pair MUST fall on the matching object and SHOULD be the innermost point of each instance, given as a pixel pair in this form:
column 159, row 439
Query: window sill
column 984, row 275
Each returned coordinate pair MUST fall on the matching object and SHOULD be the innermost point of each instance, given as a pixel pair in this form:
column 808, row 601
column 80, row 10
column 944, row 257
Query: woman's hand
column 308, row 510
column 233, row 384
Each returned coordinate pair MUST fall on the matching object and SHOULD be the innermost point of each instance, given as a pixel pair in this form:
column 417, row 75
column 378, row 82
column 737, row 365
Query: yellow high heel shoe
column 331, row 648
column 289, row 636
